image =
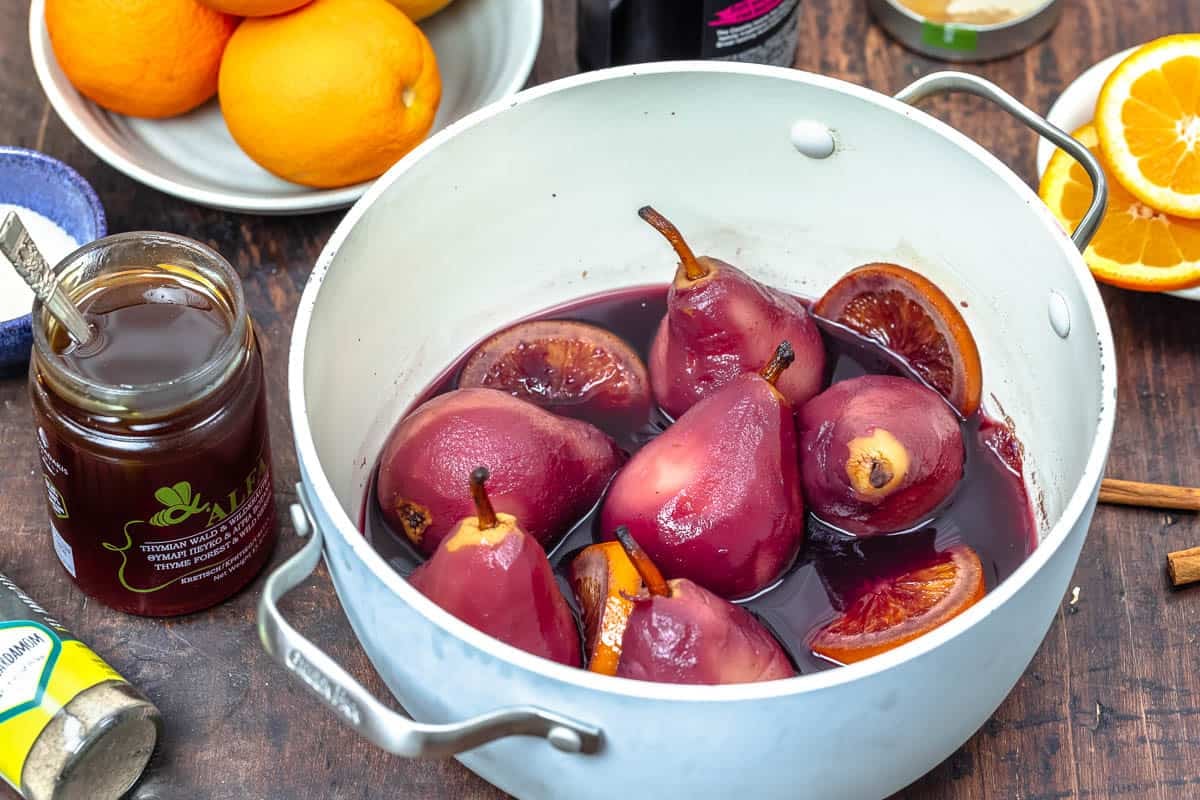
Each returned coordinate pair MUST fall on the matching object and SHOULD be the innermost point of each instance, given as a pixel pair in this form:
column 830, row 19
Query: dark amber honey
column 147, row 327
column 153, row 436
column 990, row 509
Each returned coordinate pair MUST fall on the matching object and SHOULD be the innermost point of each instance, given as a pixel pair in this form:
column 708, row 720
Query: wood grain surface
column 1110, row 707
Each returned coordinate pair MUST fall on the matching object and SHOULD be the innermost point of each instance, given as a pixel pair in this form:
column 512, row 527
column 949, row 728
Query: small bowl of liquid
column 966, row 30
column 61, row 212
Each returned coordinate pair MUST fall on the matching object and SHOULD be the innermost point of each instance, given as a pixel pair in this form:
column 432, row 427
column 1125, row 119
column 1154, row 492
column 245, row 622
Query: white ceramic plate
column 1076, row 107
column 485, row 52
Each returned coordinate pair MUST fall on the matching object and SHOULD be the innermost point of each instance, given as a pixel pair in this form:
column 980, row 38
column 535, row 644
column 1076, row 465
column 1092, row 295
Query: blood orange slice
column 570, row 367
column 909, row 315
column 891, row 611
column 605, row 582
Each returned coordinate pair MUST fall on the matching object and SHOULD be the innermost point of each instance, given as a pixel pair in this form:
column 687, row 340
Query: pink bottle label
column 764, row 31
column 742, row 11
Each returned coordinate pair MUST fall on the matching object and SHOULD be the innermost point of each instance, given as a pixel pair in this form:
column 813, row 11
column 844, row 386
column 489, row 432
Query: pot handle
column 946, row 82
column 351, row 702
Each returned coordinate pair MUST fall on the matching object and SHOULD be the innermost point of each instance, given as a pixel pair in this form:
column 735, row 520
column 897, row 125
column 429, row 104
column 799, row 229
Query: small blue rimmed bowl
column 43, row 184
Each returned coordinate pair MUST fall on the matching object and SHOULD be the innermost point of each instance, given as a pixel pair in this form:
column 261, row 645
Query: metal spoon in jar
column 18, row 246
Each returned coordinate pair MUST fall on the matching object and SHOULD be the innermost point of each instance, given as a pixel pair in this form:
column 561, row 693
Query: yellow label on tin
column 40, row 672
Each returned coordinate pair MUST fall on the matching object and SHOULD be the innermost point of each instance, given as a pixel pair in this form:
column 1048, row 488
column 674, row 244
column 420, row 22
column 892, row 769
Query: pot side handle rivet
column 812, row 138
column 564, row 739
column 1060, row 314
column 300, row 521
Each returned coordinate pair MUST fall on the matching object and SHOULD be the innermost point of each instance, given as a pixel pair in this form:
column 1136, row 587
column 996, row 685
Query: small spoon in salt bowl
column 17, row 245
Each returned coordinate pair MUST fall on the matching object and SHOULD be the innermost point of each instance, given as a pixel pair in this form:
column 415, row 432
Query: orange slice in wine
column 605, row 582
column 910, row 316
column 570, row 367
column 891, row 611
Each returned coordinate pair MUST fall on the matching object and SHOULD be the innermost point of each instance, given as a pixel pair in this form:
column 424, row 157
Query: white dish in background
column 485, row 51
column 1075, row 108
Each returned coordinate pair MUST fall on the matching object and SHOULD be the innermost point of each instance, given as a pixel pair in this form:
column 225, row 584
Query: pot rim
column 322, row 491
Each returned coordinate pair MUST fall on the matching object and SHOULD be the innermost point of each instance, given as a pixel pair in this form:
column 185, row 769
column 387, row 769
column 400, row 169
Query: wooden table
column 1109, row 708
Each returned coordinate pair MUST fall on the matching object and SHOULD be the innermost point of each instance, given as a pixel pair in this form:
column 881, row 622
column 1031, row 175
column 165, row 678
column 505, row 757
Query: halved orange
column 572, row 367
column 906, row 313
column 1148, row 119
column 896, row 609
column 1136, row 247
column 605, row 582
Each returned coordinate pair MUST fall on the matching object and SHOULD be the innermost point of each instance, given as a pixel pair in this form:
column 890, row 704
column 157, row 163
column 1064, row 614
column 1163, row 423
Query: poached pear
column 493, row 576
column 679, row 632
column 716, row 498
column 721, row 323
column 878, row 453
column 546, row 470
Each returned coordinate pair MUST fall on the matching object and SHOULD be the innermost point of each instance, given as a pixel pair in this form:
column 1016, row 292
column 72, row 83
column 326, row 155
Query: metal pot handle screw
column 946, row 82
column 347, row 698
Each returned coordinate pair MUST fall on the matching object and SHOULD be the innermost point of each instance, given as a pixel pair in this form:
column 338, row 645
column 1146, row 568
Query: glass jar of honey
column 153, row 433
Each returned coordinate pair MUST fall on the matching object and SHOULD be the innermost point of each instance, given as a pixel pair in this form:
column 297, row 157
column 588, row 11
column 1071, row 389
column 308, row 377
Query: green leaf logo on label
column 180, row 505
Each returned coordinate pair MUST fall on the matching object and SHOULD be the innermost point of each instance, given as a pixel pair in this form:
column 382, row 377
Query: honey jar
column 153, row 433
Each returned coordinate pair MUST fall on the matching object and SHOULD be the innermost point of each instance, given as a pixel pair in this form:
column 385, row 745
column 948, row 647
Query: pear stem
column 655, row 583
column 483, row 505
column 783, row 358
column 691, row 266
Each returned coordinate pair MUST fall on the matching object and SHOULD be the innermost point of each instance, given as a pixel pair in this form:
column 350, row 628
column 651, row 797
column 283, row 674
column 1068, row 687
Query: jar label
column 762, row 31
column 161, row 539
column 42, row 668
column 166, row 548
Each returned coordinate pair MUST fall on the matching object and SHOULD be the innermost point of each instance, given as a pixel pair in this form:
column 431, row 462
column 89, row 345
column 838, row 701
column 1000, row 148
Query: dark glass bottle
column 615, row 32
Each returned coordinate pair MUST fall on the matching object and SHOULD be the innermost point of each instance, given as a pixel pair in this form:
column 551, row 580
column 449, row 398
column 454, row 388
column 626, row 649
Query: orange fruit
column 1148, row 120
column 420, row 9
column 909, row 315
column 254, row 8
column 892, row 611
column 605, row 582
column 1135, row 247
column 144, row 58
column 571, row 367
column 331, row 94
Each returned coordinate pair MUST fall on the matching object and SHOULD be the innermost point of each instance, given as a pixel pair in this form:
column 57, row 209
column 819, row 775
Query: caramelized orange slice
column 892, row 611
column 571, row 367
column 909, row 315
column 605, row 581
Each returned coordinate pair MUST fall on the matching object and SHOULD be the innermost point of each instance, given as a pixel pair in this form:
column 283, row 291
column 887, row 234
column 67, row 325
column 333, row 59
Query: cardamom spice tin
column 71, row 728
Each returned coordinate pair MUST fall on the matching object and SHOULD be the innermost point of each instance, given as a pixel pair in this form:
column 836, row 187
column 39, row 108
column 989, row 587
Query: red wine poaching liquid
column 989, row 510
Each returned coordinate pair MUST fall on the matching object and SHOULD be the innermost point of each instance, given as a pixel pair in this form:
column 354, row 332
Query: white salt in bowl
column 62, row 212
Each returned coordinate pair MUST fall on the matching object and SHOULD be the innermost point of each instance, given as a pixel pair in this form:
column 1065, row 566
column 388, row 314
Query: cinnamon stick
column 1184, row 566
column 1149, row 495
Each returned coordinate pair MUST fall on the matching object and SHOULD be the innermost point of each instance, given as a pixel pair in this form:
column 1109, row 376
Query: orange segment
column 896, row 610
column 1136, row 246
column 906, row 313
column 605, row 581
column 1148, row 120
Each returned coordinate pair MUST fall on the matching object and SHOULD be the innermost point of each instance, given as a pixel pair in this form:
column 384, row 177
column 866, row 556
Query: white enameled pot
column 531, row 203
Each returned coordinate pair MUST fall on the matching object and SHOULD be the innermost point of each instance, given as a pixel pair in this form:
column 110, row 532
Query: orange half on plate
column 1136, row 247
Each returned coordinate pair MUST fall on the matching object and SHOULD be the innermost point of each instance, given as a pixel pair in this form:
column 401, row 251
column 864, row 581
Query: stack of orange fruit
column 323, row 93
column 1146, row 133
